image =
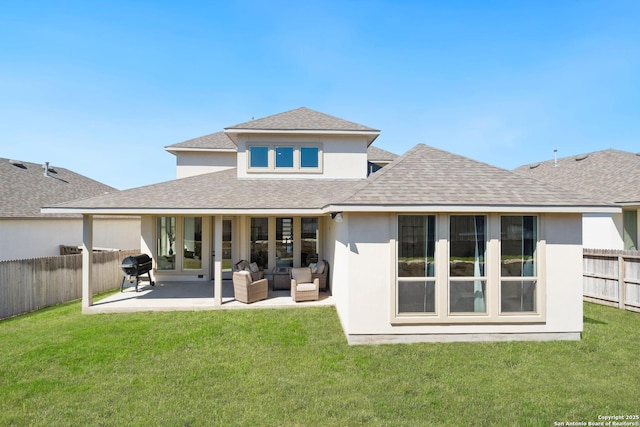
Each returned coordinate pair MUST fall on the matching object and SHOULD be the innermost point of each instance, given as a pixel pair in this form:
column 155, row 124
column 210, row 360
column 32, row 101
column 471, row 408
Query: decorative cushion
column 313, row 267
column 305, row 287
column 320, row 266
column 242, row 265
column 254, row 267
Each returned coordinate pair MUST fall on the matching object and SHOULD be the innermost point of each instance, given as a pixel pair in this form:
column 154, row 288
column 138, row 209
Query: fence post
column 621, row 286
column 87, row 261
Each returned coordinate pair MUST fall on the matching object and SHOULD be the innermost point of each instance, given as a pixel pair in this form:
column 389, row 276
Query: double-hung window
column 518, row 270
column 416, row 292
column 467, row 272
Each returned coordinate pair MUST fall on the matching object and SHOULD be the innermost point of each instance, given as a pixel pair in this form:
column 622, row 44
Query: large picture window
column 416, row 264
column 518, row 270
column 468, row 268
column 467, row 279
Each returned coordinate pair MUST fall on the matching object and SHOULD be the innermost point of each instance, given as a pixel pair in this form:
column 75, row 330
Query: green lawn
column 293, row 367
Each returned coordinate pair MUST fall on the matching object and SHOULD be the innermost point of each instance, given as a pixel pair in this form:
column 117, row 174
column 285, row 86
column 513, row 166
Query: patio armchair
column 303, row 286
column 251, row 267
column 320, row 271
column 246, row 290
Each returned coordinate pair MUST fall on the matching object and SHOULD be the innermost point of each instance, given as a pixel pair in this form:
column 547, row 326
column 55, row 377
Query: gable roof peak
column 302, row 118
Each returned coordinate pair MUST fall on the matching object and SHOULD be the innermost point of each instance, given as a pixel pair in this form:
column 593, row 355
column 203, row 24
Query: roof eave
column 233, row 133
column 471, row 208
column 137, row 211
column 174, row 150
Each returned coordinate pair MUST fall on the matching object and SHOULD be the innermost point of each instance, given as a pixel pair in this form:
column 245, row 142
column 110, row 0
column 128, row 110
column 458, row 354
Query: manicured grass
column 293, row 367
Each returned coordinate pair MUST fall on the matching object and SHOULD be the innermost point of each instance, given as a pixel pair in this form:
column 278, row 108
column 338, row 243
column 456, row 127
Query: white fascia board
column 212, row 150
column 469, row 209
column 175, row 211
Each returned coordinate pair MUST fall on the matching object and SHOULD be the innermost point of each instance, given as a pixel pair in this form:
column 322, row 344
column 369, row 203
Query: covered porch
column 193, row 257
column 192, row 295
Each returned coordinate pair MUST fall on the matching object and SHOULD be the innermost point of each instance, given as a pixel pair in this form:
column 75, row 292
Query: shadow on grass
column 593, row 321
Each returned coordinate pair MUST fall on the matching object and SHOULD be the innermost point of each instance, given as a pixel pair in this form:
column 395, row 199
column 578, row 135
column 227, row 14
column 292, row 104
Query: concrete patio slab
column 170, row 296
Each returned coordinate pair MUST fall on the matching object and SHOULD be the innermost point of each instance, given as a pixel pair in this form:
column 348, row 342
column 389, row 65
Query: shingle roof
column 224, row 190
column 213, row 141
column 423, row 176
column 24, row 188
column 375, row 154
column 428, row 176
column 610, row 175
column 302, row 119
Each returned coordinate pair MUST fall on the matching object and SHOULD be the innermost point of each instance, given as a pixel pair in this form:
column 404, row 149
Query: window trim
column 493, row 313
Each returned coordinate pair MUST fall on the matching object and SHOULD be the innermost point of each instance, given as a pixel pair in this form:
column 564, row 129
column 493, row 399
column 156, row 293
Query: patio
column 169, row 296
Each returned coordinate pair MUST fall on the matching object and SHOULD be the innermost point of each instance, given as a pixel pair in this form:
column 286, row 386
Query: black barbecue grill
column 135, row 266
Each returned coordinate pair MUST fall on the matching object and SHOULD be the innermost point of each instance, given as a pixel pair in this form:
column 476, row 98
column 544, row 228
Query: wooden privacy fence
column 30, row 284
column 612, row 277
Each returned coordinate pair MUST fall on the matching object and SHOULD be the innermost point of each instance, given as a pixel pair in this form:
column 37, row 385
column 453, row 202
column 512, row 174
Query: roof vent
column 581, row 157
column 534, row 166
column 17, row 164
column 555, row 158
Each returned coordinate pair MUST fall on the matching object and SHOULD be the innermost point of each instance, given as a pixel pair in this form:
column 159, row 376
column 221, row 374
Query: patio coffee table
column 281, row 278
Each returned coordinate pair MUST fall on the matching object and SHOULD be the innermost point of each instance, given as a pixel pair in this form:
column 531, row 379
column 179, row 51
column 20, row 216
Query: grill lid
column 135, row 260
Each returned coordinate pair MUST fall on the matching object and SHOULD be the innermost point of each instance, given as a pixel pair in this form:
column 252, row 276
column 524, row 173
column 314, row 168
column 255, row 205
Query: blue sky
column 102, row 87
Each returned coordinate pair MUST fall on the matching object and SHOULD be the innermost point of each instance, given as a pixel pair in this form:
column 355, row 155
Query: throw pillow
column 254, row 267
column 320, row 266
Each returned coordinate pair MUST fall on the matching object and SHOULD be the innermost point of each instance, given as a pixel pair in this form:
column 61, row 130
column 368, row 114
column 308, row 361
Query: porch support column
column 217, row 269
column 87, row 261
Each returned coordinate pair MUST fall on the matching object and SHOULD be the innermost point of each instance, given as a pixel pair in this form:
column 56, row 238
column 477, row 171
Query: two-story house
column 432, row 247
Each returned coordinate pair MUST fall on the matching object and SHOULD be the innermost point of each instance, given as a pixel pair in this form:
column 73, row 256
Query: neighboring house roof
column 378, row 155
column 213, row 141
column 610, row 175
column 426, row 176
column 24, row 188
column 422, row 177
column 302, row 119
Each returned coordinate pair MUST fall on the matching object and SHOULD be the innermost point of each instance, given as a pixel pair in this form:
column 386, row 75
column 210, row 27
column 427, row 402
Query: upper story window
column 309, row 157
column 300, row 158
column 259, row 156
column 284, row 157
